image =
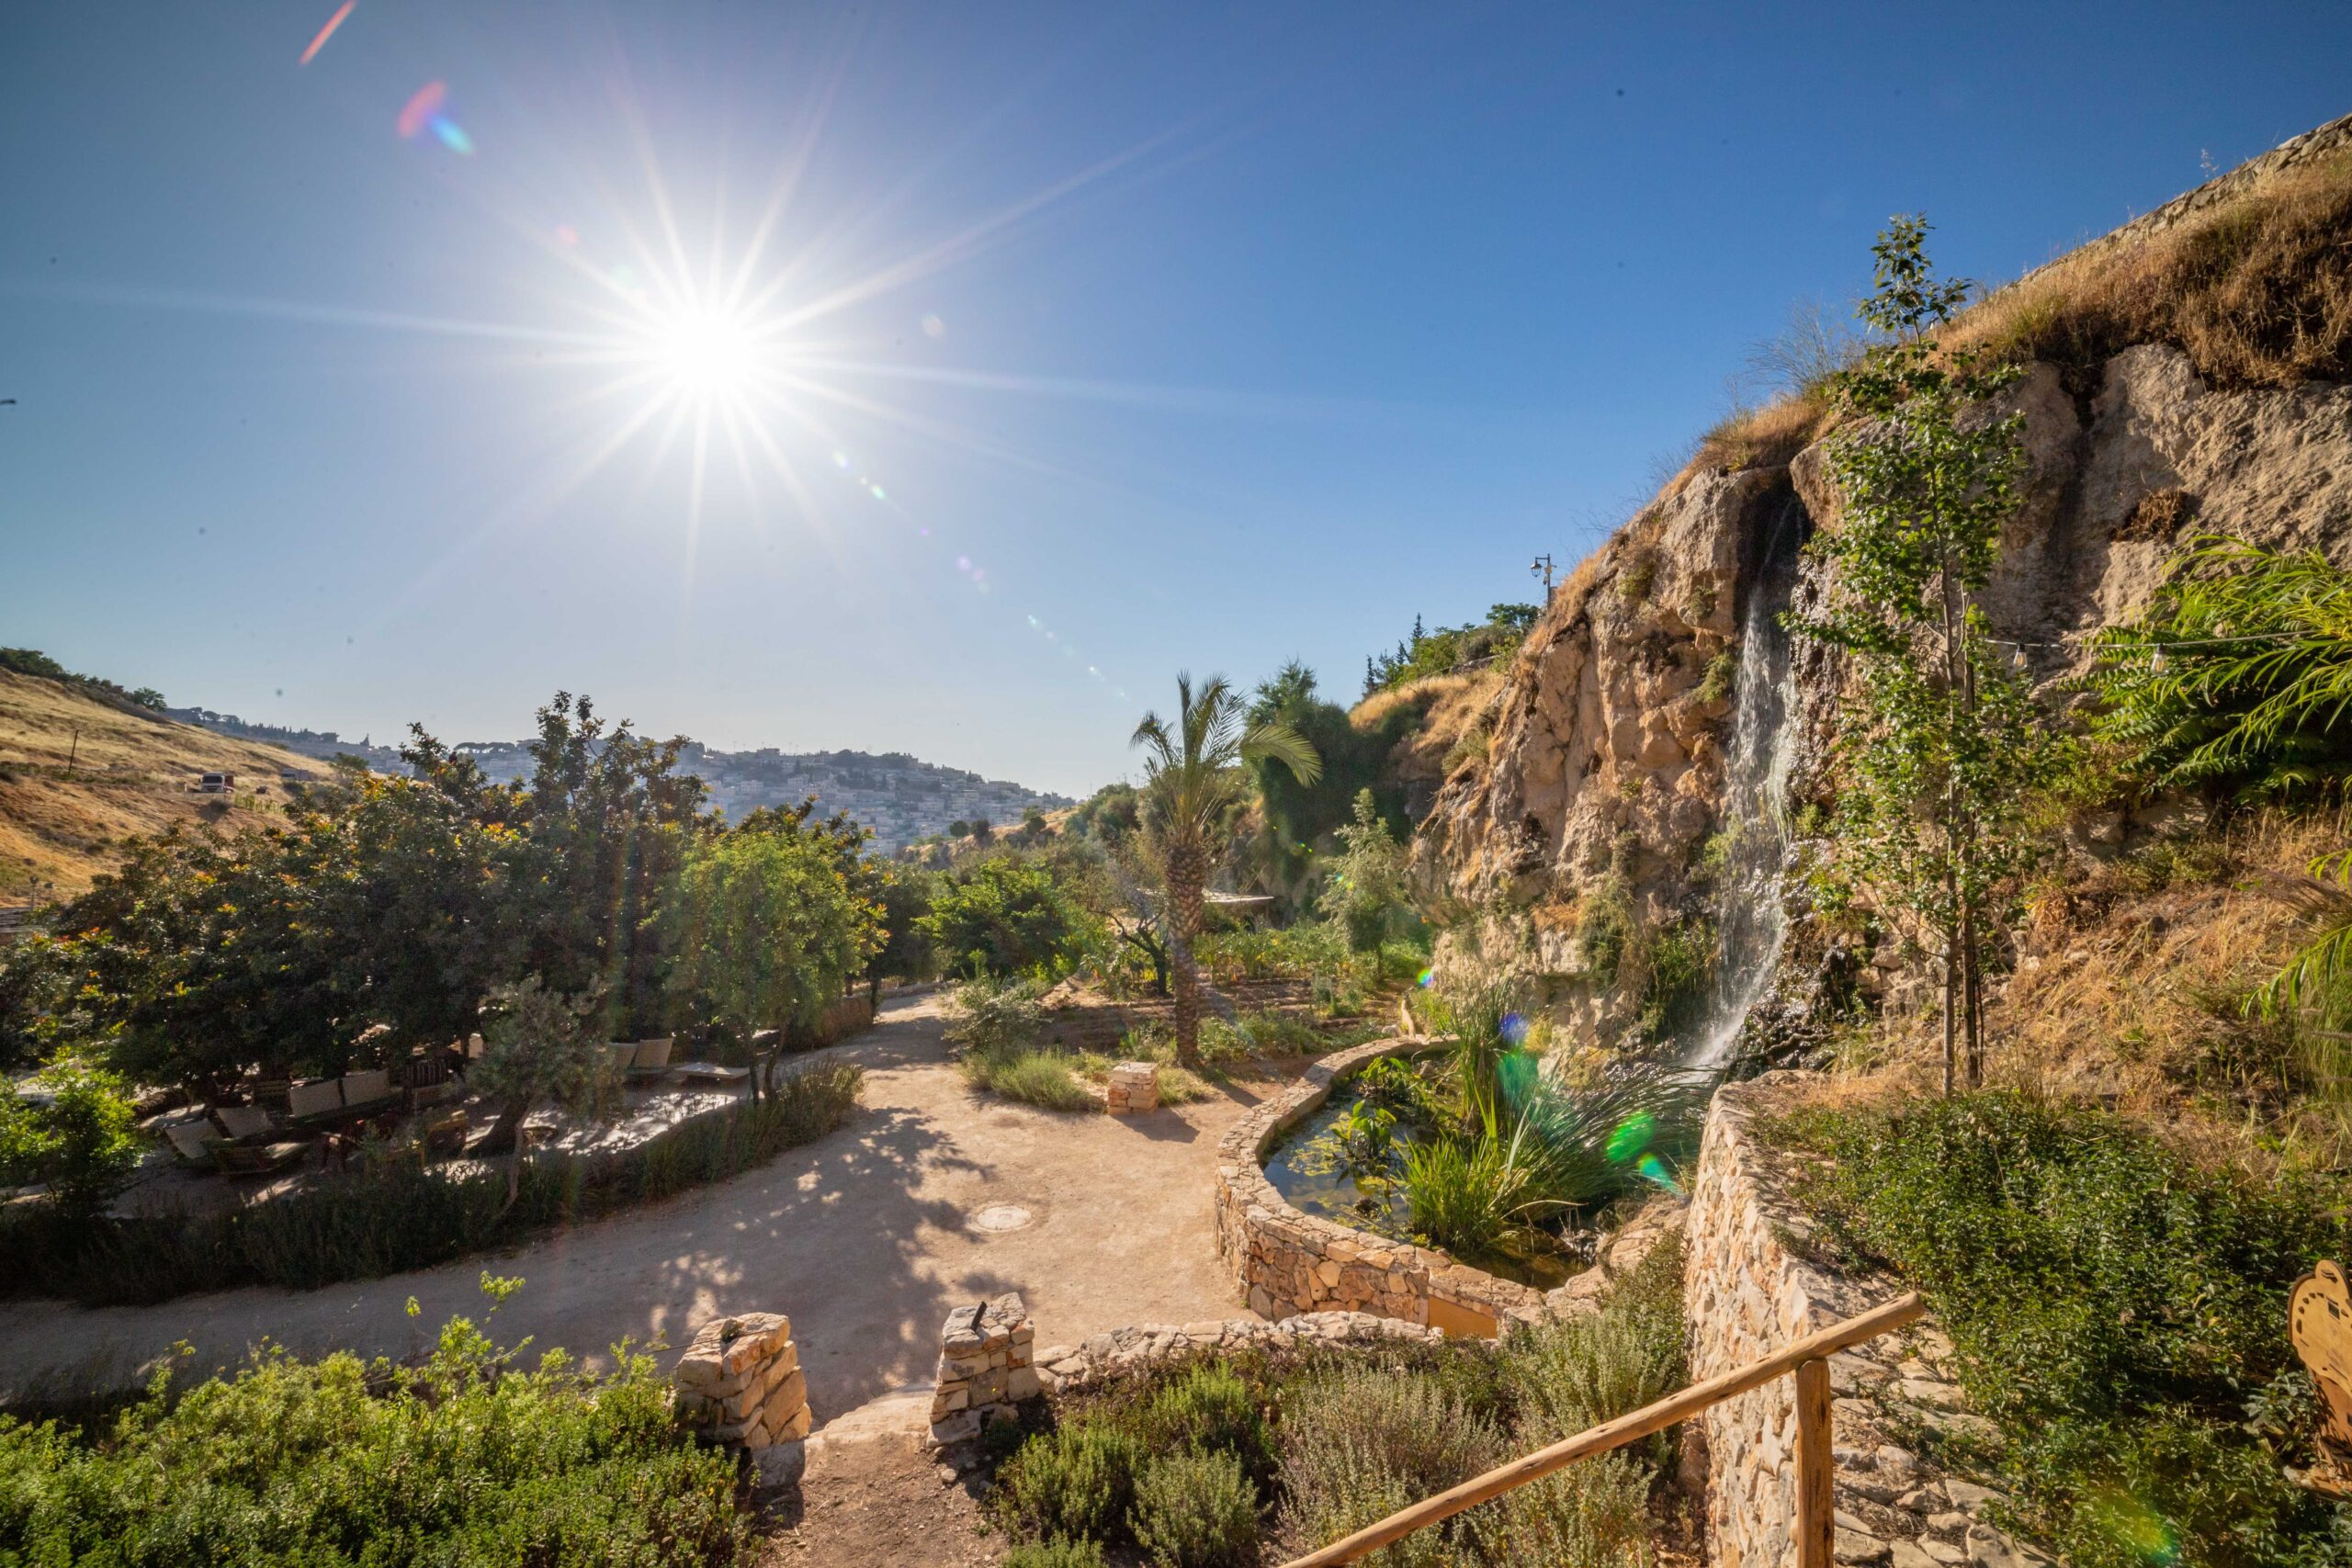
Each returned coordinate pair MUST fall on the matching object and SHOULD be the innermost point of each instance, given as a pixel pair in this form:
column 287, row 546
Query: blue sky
column 1196, row 337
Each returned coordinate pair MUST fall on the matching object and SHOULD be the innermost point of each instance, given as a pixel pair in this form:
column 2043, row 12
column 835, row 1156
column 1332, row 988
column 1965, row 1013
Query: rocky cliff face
column 1592, row 812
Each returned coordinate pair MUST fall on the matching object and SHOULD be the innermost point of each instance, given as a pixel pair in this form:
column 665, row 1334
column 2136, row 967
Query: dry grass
column 1453, row 709
column 1763, row 438
column 130, row 775
column 2257, row 291
column 2133, row 992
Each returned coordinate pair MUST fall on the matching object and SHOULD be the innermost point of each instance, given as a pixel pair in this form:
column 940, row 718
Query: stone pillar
column 739, row 1383
column 984, row 1368
column 1134, row 1090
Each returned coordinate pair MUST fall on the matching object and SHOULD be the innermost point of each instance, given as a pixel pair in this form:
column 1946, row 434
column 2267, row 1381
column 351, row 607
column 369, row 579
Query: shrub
column 989, row 1015
column 465, row 1459
column 1058, row 1554
column 1077, row 1482
column 1046, row 1078
column 2111, row 1303
column 82, row 1142
column 1194, row 1509
column 398, row 1217
column 1361, row 1441
column 1575, row 1372
column 1210, row 1406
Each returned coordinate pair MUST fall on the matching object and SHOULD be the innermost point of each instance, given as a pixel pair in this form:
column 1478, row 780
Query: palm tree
column 1193, row 776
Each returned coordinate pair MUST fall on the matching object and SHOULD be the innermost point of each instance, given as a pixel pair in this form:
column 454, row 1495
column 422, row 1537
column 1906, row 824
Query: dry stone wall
column 985, row 1368
column 1286, row 1263
column 1066, row 1368
column 1750, row 1290
column 740, row 1382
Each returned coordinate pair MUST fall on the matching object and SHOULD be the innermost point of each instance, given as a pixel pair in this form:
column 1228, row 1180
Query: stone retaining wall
column 1286, row 1263
column 1749, row 1288
column 1065, row 1369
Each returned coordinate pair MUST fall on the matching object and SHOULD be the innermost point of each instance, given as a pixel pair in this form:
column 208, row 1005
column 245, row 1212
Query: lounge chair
column 319, row 1101
column 623, row 1052
column 370, row 1090
column 652, row 1059
column 193, row 1143
column 446, row 1136
column 711, row 1073
column 245, row 1123
column 264, row 1159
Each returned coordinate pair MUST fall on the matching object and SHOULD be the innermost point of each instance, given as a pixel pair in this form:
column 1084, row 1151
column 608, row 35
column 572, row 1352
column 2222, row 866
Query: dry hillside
column 130, row 774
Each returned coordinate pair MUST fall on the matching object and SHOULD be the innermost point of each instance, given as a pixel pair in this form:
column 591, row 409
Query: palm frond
column 1273, row 739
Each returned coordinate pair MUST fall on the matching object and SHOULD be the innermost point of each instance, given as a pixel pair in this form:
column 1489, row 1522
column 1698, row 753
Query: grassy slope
column 131, row 775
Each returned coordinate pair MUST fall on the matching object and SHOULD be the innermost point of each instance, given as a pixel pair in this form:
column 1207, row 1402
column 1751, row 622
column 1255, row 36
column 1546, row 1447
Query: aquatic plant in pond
column 1502, row 1182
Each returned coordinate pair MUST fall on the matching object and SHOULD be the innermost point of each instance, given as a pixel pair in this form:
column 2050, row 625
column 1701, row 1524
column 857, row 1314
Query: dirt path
column 865, row 1237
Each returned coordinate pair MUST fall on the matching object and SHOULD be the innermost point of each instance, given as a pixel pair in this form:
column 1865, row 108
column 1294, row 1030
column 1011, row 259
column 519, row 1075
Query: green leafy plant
column 989, row 1015
column 2238, row 673
column 1365, row 897
column 1210, row 1406
column 1360, row 1442
column 541, row 1048
column 1943, row 742
column 288, row 1460
column 2111, row 1303
column 400, row 1217
column 1195, row 1508
column 1059, row 1552
column 1002, row 917
column 1076, row 1482
column 81, row 1138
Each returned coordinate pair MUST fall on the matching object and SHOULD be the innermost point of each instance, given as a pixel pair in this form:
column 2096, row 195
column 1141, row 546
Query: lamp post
column 1541, row 567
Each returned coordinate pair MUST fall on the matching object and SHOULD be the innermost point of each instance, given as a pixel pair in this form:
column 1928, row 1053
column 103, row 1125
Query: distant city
column 898, row 797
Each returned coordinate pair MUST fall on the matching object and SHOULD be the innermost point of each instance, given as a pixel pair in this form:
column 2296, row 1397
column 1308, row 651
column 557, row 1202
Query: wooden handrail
column 1806, row 1357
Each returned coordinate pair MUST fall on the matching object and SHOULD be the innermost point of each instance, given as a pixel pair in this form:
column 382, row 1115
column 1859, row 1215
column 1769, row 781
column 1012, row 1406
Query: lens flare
column 327, row 32
column 1654, row 1168
column 445, row 130
column 1632, row 1136
column 2139, row 1529
column 421, row 106
column 1514, row 1030
column 1425, row 980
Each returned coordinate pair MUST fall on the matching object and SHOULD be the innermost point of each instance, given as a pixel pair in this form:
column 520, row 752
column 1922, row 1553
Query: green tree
column 906, row 951
column 768, row 927
column 81, row 1138
column 1301, row 816
column 1195, row 773
column 1367, row 892
column 606, row 819
column 1943, row 742
column 1000, row 917
column 540, row 1048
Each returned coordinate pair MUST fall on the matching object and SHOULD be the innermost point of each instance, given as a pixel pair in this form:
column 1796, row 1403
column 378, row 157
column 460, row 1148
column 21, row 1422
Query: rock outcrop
column 1604, row 779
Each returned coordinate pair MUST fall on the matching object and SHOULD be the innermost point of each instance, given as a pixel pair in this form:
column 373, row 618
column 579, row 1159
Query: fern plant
column 2239, row 673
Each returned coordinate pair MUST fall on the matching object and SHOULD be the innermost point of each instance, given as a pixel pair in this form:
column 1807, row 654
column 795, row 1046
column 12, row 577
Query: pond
column 1321, row 1187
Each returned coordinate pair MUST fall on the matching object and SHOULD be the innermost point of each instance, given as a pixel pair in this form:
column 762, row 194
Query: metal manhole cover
column 1001, row 1217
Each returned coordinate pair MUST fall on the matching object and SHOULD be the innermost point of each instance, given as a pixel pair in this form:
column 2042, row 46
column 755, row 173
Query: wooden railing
column 1808, row 1360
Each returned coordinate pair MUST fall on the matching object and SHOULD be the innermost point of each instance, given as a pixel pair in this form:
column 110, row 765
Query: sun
column 705, row 352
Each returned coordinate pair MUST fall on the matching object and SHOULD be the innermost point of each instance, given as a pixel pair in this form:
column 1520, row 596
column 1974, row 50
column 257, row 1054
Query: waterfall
column 1751, row 923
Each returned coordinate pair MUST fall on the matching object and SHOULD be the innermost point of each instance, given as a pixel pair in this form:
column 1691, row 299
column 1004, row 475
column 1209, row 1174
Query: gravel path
column 866, row 1238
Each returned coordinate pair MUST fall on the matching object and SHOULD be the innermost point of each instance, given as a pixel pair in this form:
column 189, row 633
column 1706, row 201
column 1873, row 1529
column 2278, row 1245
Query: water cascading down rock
column 1751, row 921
